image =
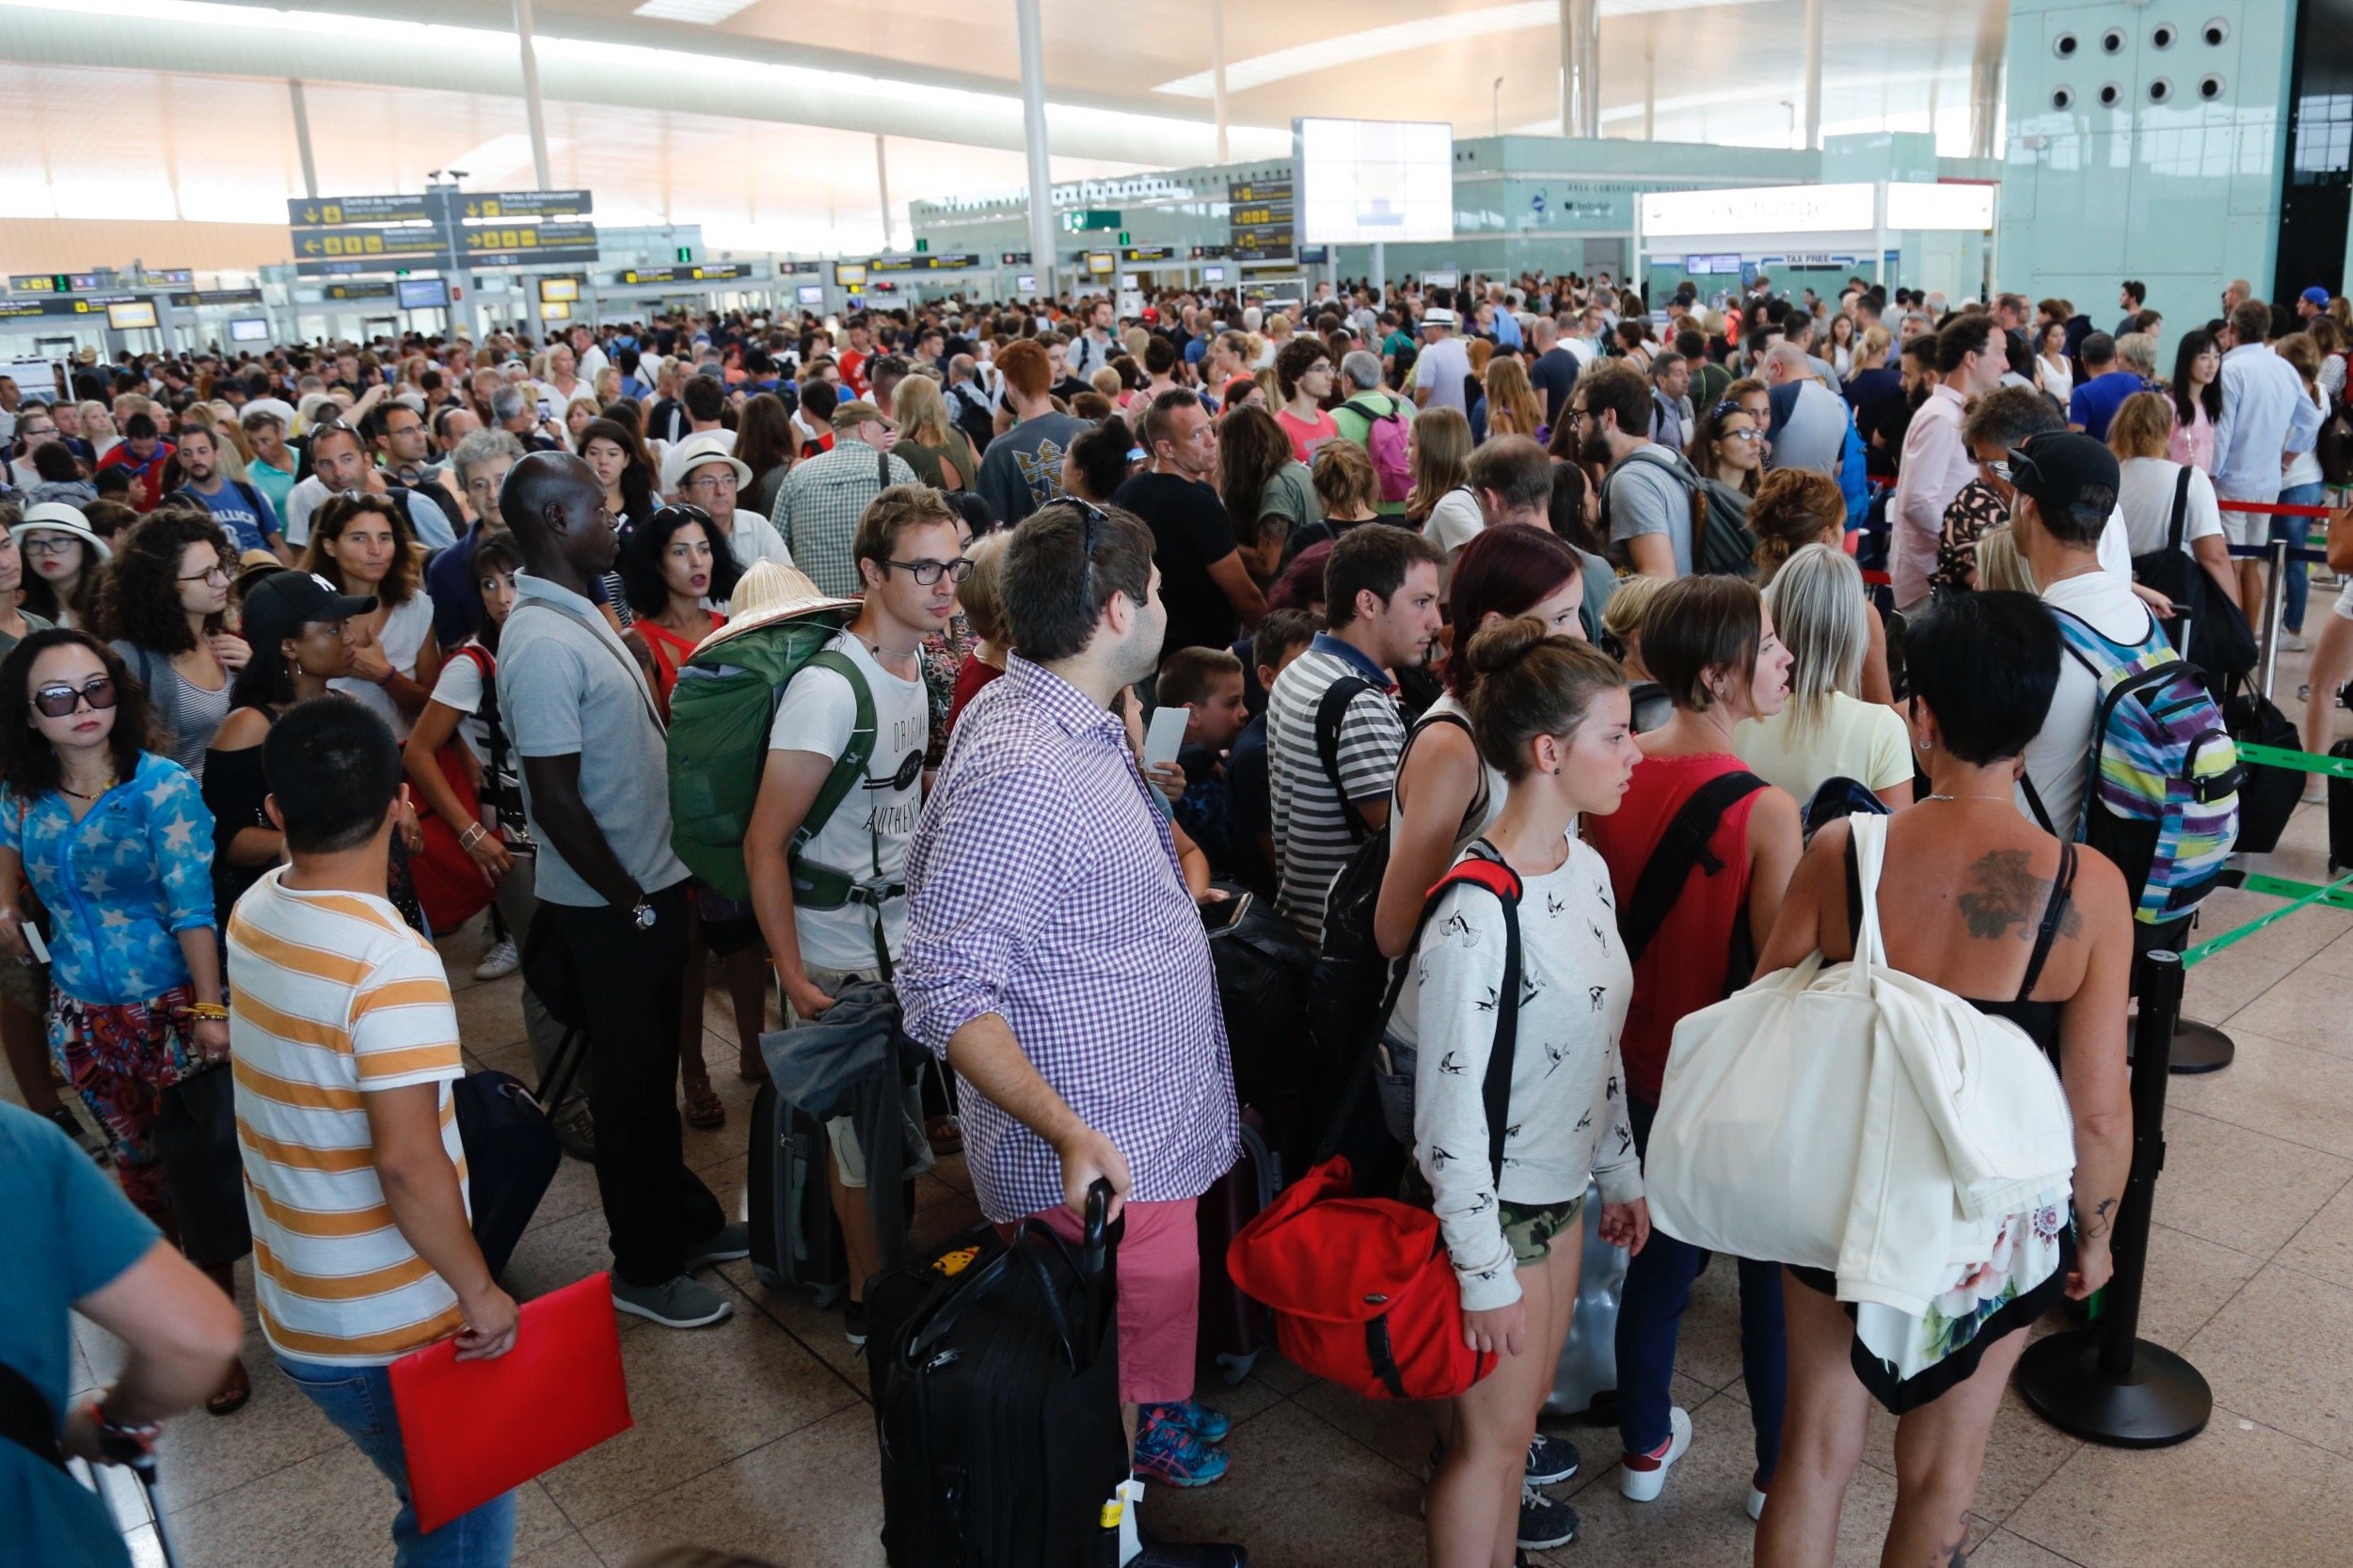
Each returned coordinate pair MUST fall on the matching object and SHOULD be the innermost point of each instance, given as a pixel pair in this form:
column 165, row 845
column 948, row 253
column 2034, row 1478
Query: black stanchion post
column 2104, row 1383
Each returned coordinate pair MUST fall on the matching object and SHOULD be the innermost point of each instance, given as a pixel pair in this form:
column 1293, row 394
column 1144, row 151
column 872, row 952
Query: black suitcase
column 2340, row 815
column 2268, row 798
column 795, row 1238
column 1234, row 1329
column 511, row 1151
column 994, row 1370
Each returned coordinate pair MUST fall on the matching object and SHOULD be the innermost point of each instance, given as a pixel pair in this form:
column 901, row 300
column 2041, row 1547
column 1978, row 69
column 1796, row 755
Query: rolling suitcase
column 795, row 1238
column 2340, row 815
column 995, row 1371
column 1234, row 1329
column 1585, row 1381
column 511, row 1151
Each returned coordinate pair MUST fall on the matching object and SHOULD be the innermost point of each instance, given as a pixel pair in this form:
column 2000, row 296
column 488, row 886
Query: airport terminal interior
column 1727, row 454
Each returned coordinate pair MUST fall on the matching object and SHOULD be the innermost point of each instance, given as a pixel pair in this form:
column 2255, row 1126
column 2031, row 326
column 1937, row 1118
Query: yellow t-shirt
column 332, row 996
column 1854, row 739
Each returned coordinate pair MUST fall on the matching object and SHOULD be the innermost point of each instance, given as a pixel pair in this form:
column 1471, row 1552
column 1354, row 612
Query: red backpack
column 1361, row 1288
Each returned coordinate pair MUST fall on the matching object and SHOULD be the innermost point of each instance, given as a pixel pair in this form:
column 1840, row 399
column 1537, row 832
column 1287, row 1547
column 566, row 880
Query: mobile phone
column 1165, row 733
column 1226, row 914
column 547, row 409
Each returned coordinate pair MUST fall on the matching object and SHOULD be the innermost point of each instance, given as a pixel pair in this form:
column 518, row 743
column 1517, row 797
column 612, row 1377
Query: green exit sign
column 1123, row 239
column 922, row 246
column 1080, row 220
column 686, row 254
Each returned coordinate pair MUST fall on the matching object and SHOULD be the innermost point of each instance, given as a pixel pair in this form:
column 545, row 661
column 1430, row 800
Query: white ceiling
column 761, row 129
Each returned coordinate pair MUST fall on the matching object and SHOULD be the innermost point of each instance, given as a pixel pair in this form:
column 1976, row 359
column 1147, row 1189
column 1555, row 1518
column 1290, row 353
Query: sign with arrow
column 524, row 204
column 390, row 244
column 337, row 210
column 522, row 245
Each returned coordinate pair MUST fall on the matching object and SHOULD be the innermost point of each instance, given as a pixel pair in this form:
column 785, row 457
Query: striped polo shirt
column 1312, row 834
column 331, row 996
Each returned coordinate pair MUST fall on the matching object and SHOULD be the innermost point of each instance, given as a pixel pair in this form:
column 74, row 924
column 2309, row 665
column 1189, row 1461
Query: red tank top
column 1683, row 968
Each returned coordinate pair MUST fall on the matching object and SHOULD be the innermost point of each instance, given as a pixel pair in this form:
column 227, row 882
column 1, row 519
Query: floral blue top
column 121, row 883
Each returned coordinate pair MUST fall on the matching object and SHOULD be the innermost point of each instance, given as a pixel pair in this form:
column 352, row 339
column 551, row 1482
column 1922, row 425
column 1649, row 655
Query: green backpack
column 720, row 714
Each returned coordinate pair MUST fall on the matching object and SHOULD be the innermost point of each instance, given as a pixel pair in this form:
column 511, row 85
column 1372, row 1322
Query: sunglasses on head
column 58, row 701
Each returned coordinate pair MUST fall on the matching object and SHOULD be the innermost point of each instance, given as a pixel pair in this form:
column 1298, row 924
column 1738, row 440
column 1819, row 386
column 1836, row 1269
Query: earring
column 1928, row 745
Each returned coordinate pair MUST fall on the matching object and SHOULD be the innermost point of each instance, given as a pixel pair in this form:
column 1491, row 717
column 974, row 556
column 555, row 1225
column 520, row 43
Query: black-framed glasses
column 208, row 574
column 926, row 573
column 57, row 702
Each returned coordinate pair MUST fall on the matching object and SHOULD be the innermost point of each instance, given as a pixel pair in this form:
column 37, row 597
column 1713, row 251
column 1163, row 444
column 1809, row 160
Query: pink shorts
column 1160, row 1296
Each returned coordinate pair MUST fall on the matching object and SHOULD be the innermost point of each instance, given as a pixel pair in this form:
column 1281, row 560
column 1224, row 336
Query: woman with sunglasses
column 165, row 610
column 1729, row 440
column 672, row 571
column 361, row 546
column 115, row 842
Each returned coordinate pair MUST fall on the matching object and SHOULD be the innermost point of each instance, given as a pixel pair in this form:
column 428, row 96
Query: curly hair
column 140, row 602
column 28, row 764
column 1792, row 508
column 400, row 579
column 642, row 549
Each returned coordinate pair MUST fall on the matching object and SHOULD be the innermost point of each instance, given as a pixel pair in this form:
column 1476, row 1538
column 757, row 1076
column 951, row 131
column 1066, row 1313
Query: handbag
column 450, row 886
column 196, row 1144
column 1853, row 1119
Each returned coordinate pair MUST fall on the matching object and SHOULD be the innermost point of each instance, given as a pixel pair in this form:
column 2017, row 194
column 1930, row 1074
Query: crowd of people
column 1524, row 572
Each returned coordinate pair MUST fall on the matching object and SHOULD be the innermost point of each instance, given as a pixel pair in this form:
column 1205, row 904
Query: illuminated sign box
column 1759, row 210
column 1937, row 206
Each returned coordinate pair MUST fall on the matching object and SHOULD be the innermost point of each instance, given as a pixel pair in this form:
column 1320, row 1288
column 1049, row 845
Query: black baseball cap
column 284, row 602
column 2066, row 470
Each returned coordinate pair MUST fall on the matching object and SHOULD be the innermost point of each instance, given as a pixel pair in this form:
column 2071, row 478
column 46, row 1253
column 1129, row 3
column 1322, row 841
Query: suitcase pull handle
column 1096, row 1239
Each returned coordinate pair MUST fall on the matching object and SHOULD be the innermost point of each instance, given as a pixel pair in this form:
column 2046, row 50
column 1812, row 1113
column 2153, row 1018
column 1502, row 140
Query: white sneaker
column 1756, row 1501
column 499, row 963
column 2290, row 641
column 1643, row 1484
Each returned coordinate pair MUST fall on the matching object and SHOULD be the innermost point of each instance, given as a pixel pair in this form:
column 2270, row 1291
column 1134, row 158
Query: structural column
column 1814, row 75
column 302, row 138
column 1217, row 69
column 1581, row 69
column 1033, row 62
column 882, row 184
column 531, row 94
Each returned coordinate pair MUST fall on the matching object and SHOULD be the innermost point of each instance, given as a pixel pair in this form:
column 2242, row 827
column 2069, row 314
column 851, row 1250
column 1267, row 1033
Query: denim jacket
column 121, row 883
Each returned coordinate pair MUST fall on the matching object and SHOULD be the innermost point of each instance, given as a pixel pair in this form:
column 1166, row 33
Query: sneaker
column 2291, row 641
column 576, row 1131
column 499, row 963
column 1167, row 1453
column 1756, row 1499
column 680, row 1302
column 1210, row 1426
column 1643, row 1476
column 854, row 1324
column 727, row 1243
column 1543, row 1522
column 1551, row 1461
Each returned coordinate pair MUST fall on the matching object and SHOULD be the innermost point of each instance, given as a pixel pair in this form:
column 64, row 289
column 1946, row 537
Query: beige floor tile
column 201, row 1455
column 550, row 1257
column 2336, row 958
column 2288, row 941
column 2238, row 1493
column 2186, row 1283
column 2281, row 1090
column 700, row 1397
column 2281, row 1354
column 1299, row 1495
column 812, row 1499
column 2239, row 1188
column 2002, row 1549
column 490, row 1013
column 2306, row 1008
column 2324, row 1248
column 1400, row 1432
column 2220, row 986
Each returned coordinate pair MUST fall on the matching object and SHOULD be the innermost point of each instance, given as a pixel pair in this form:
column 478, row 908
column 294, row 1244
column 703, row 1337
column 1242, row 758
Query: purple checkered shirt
column 1042, row 886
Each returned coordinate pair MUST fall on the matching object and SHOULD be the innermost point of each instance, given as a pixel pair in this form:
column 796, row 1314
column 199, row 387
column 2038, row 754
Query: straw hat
column 770, row 592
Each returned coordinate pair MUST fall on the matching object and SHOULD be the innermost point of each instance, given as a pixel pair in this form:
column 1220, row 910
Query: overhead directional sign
column 931, row 262
column 388, row 244
column 524, row 204
column 337, row 210
column 89, row 305
column 710, row 272
column 519, row 245
column 357, row 291
column 192, row 299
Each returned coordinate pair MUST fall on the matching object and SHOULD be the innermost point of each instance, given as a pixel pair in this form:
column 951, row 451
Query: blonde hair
column 1622, row 617
column 1875, row 340
column 1441, row 458
column 1512, row 408
column 2001, row 565
column 1345, row 484
column 980, row 596
column 921, row 412
column 1818, row 612
column 2143, row 426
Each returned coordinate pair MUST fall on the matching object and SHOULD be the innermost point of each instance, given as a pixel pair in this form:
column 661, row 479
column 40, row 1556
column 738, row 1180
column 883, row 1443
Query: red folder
column 476, row 1429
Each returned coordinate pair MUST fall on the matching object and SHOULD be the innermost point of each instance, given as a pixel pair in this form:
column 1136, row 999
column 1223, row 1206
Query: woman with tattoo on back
column 1976, row 898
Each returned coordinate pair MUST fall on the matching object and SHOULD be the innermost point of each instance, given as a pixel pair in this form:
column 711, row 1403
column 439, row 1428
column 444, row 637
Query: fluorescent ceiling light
column 704, row 11
column 1397, row 39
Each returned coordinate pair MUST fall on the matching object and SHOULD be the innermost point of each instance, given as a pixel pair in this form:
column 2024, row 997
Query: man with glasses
column 819, row 505
column 242, row 511
column 339, row 462
column 405, row 457
column 833, row 909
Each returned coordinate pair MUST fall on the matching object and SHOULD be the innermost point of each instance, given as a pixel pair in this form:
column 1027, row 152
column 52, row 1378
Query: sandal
column 231, row 1395
column 704, row 1111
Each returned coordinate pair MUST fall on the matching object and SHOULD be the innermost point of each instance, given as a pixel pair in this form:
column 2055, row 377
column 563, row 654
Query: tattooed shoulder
column 2003, row 895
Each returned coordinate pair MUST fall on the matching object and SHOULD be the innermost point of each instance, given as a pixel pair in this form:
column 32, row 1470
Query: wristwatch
column 642, row 914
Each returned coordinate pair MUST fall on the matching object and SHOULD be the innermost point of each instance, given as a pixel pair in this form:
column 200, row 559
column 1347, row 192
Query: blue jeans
column 359, row 1400
column 1650, row 1315
column 2297, row 531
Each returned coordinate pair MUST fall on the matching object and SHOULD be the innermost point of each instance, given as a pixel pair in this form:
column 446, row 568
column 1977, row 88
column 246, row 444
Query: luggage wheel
column 1237, row 1368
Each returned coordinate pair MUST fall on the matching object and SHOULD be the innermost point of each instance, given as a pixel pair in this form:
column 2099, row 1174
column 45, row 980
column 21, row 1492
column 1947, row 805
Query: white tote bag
column 1853, row 1119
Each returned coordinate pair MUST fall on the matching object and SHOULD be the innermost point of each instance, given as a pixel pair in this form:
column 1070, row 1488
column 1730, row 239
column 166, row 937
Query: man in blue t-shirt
column 73, row 1242
column 2108, row 384
column 243, row 512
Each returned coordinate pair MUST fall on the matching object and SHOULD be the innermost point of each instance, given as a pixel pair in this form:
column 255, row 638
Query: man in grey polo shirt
column 1808, row 427
column 611, row 893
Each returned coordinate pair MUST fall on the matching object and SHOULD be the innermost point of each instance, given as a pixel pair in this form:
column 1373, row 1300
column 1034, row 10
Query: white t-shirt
column 403, row 638
column 1864, row 742
column 869, row 832
column 2144, row 494
column 1453, row 523
column 1442, row 366
column 2304, row 468
column 2059, row 757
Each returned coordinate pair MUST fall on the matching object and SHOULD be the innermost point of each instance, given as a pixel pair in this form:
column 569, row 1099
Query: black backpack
column 2219, row 641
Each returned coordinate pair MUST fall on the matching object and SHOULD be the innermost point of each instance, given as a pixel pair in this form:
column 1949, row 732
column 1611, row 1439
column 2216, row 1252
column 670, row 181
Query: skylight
column 706, row 12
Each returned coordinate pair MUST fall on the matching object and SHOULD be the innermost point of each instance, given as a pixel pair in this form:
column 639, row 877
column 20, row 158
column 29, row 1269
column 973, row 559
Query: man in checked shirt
column 1055, row 957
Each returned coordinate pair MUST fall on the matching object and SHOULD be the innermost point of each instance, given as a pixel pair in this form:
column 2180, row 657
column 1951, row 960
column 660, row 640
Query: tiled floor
column 756, row 1436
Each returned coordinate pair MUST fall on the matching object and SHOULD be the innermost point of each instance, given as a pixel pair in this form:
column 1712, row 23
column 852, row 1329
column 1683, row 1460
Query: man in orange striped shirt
column 344, row 1044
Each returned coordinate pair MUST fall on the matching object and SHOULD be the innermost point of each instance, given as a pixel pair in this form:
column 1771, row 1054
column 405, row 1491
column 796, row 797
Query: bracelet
column 208, row 1013
column 473, row 836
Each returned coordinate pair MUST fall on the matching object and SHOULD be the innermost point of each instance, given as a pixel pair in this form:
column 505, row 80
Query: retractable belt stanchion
column 2104, row 1383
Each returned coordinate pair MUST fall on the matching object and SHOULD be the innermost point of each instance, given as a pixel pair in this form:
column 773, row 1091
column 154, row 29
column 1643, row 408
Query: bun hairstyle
column 1531, row 684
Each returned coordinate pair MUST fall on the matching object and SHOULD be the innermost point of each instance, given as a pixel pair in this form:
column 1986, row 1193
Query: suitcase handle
column 1089, row 1265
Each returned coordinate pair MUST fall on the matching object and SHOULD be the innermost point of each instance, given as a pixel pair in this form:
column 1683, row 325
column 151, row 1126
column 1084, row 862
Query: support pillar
column 531, row 95
column 1813, row 75
column 302, row 138
column 1218, row 71
column 883, row 185
column 1033, row 64
column 1581, row 69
